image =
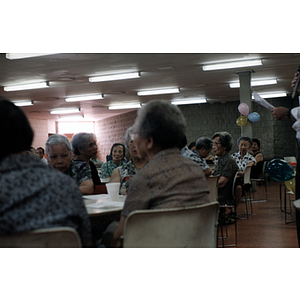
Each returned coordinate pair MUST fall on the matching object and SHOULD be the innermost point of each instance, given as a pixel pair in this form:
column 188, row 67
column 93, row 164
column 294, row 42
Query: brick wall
column 277, row 137
column 112, row 130
column 40, row 129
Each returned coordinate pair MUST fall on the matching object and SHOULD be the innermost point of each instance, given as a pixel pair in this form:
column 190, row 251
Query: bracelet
column 288, row 113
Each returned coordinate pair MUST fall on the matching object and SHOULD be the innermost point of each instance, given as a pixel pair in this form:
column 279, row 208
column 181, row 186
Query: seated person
column 168, row 180
column 27, row 202
column 128, row 170
column 59, row 155
column 192, row 146
column 243, row 159
column 257, row 170
column 226, row 166
column 84, row 148
column 41, row 152
column 203, row 149
column 117, row 154
column 194, row 156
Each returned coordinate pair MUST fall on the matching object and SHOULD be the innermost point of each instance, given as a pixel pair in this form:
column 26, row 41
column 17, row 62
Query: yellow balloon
column 242, row 120
column 290, row 185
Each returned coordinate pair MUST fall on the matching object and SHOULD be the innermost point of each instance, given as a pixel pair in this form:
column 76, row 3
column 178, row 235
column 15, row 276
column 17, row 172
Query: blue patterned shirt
column 243, row 161
column 108, row 168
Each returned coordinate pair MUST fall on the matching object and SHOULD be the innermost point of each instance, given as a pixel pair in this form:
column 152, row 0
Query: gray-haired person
column 226, row 166
column 59, row 156
column 84, row 148
column 168, row 179
column 27, row 203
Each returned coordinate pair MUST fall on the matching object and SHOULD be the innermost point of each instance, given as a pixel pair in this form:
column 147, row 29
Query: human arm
column 86, row 187
column 115, row 176
column 259, row 157
column 222, row 181
column 280, row 113
column 207, row 172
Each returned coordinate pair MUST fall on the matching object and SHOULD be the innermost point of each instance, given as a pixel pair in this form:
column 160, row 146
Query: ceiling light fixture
column 29, row 86
column 64, row 111
column 232, row 64
column 114, row 77
column 255, row 83
column 159, row 92
column 71, row 118
column 272, row 95
column 84, row 98
column 188, row 101
column 126, row 106
column 25, row 55
column 23, row 102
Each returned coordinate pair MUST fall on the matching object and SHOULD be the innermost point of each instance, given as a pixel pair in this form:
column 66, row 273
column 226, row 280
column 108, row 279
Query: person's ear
column 150, row 143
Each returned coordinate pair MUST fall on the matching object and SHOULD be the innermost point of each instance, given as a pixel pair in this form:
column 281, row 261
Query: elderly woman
column 168, row 179
column 226, row 166
column 243, row 158
column 84, row 148
column 59, row 156
column 124, row 173
column 117, row 153
column 32, row 195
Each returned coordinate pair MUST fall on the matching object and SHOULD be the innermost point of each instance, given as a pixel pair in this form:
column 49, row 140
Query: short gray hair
column 225, row 139
column 127, row 137
column 79, row 141
column 163, row 122
column 244, row 138
column 56, row 139
column 204, row 142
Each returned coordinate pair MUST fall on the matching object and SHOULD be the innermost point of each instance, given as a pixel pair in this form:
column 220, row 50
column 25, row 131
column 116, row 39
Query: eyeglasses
column 215, row 144
column 133, row 135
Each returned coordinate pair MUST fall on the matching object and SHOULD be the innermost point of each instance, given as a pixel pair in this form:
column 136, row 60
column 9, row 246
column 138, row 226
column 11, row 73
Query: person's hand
column 279, row 113
column 294, row 82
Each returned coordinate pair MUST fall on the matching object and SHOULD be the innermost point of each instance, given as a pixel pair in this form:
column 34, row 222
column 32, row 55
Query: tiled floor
column 266, row 228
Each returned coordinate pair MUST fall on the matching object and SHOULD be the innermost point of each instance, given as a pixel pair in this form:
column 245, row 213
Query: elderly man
column 26, row 203
column 194, row 156
column 59, row 156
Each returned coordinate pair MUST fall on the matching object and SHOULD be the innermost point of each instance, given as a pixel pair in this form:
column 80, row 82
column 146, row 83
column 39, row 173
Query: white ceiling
column 68, row 76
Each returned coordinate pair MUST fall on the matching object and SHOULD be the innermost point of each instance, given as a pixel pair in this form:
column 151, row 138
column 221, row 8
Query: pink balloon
column 244, row 109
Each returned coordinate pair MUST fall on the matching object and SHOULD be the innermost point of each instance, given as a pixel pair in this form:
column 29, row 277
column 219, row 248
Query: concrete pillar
column 245, row 97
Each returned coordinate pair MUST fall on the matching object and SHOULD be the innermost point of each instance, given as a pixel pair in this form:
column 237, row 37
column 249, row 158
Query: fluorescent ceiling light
column 255, row 83
column 233, row 64
column 159, row 92
column 64, row 111
column 71, row 118
column 272, row 95
column 114, row 77
column 23, row 102
column 29, row 86
column 126, row 106
column 188, row 101
column 25, row 55
column 84, row 98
